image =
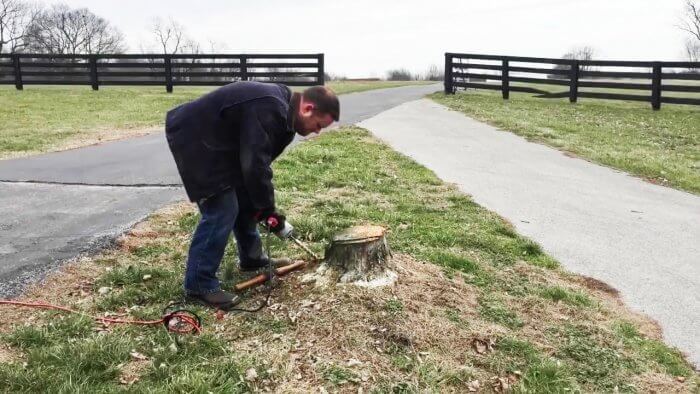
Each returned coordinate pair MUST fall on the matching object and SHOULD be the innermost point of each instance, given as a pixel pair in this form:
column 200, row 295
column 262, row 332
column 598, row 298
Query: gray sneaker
column 219, row 299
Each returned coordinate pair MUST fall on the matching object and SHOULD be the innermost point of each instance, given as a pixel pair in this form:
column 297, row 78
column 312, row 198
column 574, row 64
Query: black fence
column 160, row 70
column 653, row 82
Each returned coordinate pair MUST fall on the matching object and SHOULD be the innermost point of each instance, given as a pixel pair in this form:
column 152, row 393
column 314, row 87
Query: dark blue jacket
column 229, row 137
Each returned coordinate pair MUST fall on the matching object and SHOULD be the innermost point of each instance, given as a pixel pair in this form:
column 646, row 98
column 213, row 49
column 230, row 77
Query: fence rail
column 651, row 78
column 165, row 70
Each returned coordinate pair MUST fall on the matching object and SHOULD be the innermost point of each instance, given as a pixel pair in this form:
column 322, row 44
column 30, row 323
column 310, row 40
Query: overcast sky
column 364, row 38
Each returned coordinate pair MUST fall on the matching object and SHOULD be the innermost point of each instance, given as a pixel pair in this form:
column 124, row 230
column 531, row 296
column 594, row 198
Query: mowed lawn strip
column 522, row 318
column 47, row 118
column 660, row 146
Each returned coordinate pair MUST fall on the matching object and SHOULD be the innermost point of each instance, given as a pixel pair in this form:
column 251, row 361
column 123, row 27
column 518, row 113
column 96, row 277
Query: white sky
column 364, row 38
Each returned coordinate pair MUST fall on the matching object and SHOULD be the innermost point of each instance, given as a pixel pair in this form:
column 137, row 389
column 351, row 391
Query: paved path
column 641, row 238
column 55, row 206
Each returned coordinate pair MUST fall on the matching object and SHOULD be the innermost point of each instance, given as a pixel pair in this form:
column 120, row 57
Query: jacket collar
column 293, row 110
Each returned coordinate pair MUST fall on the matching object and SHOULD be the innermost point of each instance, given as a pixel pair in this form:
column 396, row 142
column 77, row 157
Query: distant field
column 48, row 118
column 661, row 146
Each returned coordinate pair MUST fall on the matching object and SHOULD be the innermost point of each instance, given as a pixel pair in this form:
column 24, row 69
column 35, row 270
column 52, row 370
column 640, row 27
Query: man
column 223, row 144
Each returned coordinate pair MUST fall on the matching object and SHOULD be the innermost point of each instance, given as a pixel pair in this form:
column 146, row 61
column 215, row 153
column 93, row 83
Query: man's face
column 309, row 121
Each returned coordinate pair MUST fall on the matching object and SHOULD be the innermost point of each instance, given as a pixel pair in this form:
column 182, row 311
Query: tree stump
column 360, row 253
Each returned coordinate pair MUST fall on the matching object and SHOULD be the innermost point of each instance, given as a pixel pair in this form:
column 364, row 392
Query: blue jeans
column 221, row 214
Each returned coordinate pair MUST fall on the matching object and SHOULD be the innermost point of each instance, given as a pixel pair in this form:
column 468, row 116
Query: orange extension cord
column 179, row 321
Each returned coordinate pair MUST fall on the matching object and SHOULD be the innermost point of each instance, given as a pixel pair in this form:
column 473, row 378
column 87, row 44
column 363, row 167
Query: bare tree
column 169, row 34
column 691, row 19
column 692, row 50
column 434, row 73
column 690, row 23
column 15, row 18
column 576, row 53
column 62, row 30
column 581, row 53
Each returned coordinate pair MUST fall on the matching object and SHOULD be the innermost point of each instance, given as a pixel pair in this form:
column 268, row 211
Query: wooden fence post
column 656, row 87
column 93, row 72
column 321, row 79
column 167, row 61
column 449, row 87
column 573, row 81
column 18, row 72
column 244, row 68
column 505, row 81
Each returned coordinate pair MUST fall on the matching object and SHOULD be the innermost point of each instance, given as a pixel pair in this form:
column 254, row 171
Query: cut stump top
column 359, row 234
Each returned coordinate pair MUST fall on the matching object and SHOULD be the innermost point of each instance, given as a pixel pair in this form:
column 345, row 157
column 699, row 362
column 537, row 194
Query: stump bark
column 360, row 253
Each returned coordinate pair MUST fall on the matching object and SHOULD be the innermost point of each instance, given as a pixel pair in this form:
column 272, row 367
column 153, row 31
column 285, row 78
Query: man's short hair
column 324, row 99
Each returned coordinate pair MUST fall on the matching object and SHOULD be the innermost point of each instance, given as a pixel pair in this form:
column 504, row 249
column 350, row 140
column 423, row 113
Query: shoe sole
column 224, row 307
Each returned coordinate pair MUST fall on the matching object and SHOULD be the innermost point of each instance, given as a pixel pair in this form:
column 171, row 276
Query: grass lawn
column 661, row 146
column 476, row 304
column 48, row 118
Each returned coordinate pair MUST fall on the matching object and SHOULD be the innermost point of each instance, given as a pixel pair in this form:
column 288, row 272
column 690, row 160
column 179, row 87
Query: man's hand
column 275, row 222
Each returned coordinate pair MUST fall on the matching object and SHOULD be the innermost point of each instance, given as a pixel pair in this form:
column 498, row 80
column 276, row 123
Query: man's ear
column 307, row 108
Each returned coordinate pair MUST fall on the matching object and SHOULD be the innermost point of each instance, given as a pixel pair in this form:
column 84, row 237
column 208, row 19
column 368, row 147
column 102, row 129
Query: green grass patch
column 560, row 294
column 337, row 375
column 547, row 377
column 41, row 118
column 394, row 307
column 663, row 146
column 669, row 360
column 495, row 311
column 595, row 357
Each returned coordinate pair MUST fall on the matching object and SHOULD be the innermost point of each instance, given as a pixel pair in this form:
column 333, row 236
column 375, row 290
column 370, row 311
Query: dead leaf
column 483, row 346
column 499, row 384
column 138, row 356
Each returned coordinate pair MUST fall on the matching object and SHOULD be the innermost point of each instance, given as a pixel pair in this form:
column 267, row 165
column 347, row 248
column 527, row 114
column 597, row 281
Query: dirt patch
column 8, row 355
column 363, row 332
column 658, row 383
column 132, row 371
column 599, row 285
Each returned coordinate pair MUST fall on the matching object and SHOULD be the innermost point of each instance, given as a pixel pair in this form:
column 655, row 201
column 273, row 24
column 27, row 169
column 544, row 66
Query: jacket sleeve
column 260, row 121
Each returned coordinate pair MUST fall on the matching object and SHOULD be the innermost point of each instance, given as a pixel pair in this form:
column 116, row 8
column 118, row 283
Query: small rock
column 473, row 386
column 147, row 277
column 354, row 362
column 276, row 336
column 251, row 374
column 307, row 303
column 680, row 379
column 104, row 290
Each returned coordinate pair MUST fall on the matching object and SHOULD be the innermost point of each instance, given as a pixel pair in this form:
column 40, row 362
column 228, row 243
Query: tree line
column 28, row 27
